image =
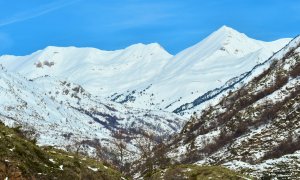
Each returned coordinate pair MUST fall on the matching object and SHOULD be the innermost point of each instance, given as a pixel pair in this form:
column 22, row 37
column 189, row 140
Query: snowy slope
column 205, row 66
column 146, row 76
column 100, row 72
column 62, row 113
column 255, row 127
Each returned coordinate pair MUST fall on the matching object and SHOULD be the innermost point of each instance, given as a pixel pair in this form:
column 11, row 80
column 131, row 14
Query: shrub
column 241, row 129
column 287, row 146
column 263, row 74
column 27, row 132
column 296, row 71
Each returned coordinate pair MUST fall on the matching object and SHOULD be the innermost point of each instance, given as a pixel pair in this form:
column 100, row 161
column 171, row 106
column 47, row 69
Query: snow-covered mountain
column 254, row 127
column 61, row 114
column 248, row 91
column 205, row 66
column 100, row 72
column 146, row 76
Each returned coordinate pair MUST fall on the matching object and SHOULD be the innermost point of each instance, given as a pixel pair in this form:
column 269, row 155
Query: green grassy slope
column 22, row 159
column 194, row 172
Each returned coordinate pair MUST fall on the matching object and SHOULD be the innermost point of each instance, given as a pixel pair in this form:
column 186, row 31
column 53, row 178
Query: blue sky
column 27, row 26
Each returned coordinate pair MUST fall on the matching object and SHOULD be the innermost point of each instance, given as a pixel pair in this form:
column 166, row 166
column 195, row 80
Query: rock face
column 255, row 126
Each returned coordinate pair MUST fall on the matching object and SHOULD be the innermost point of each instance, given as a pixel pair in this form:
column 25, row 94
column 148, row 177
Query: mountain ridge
column 131, row 106
column 253, row 128
column 147, row 76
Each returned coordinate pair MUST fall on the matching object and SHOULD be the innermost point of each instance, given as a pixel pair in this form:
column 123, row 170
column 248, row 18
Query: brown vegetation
column 287, row 146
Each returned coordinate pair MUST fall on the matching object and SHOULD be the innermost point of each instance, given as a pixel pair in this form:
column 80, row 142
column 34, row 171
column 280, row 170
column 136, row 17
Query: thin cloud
column 139, row 14
column 23, row 16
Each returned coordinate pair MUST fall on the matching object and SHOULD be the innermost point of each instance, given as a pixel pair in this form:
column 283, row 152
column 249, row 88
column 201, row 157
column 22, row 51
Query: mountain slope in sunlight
column 254, row 128
column 146, row 76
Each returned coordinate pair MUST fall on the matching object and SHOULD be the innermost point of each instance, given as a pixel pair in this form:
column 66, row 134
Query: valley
column 228, row 102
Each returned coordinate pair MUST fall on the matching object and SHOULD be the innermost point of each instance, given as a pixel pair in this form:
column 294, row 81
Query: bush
column 296, row 71
column 26, row 132
column 263, row 74
column 287, row 146
column 241, row 129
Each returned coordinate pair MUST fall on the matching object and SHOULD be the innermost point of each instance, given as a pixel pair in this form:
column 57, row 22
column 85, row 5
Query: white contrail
column 23, row 16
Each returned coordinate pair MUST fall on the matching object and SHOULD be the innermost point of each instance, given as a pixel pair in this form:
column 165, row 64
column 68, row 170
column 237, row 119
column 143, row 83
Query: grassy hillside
column 22, row 159
column 194, row 172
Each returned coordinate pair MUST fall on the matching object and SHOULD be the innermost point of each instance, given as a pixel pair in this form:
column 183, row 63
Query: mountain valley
column 228, row 102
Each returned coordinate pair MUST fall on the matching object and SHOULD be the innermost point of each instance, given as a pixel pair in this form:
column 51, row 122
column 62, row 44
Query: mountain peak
column 152, row 48
column 142, row 45
column 225, row 33
column 226, row 41
column 226, row 29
